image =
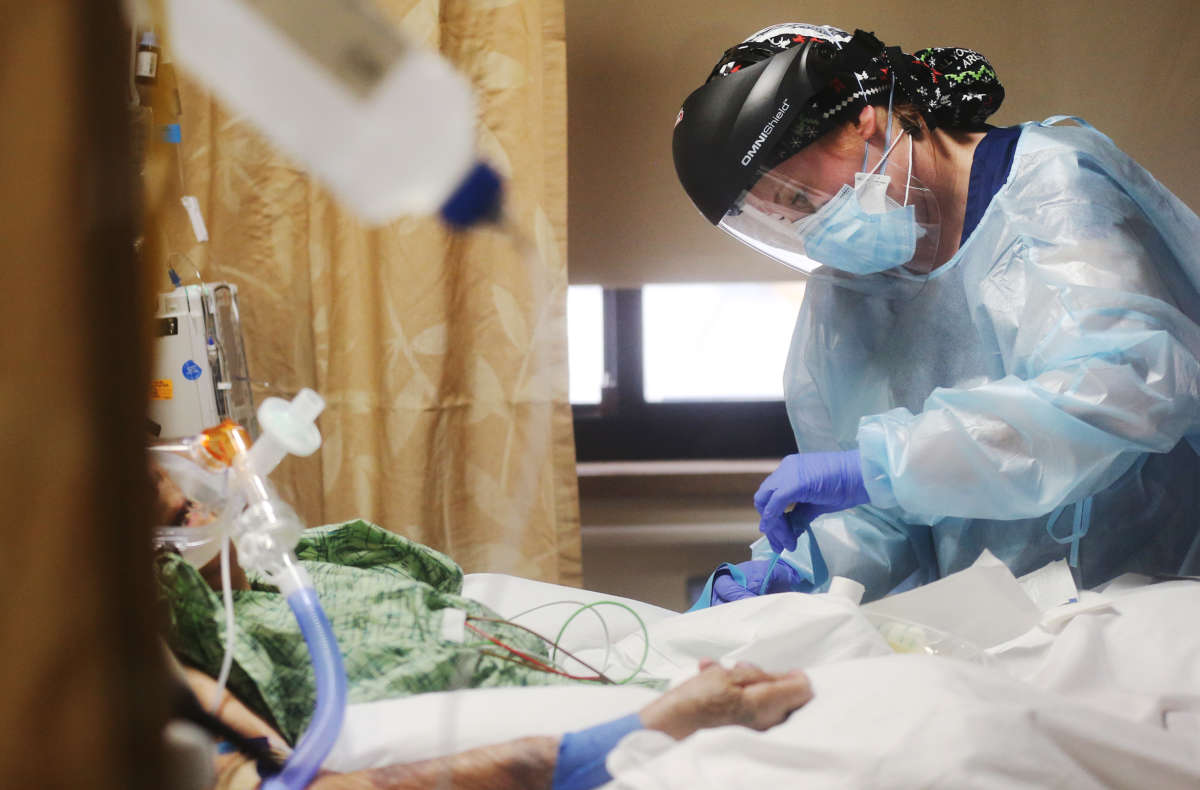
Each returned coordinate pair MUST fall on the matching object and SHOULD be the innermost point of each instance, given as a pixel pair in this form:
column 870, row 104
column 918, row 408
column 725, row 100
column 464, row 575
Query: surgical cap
column 951, row 87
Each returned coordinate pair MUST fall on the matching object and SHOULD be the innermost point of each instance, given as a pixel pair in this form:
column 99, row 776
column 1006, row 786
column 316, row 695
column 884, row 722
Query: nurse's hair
column 948, row 87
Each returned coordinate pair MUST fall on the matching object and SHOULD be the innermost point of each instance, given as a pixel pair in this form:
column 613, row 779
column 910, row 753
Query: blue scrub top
column 989, row 170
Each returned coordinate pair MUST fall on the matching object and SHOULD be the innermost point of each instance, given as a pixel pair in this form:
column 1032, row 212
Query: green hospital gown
column 385, row 597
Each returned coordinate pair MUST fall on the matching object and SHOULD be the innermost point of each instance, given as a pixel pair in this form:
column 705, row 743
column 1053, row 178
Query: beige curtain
column 442, row 357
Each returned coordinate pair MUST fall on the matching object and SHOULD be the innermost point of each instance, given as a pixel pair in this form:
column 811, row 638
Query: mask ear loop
column 862, row 93
column 908, row 179
column 891, row 94
column 888, row 142
column 888, row 153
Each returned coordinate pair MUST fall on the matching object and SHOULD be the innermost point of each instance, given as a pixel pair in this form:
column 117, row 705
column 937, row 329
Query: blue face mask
column 861, row 230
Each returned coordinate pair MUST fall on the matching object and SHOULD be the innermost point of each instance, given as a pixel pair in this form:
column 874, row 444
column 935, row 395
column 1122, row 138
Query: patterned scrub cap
column 952, row 87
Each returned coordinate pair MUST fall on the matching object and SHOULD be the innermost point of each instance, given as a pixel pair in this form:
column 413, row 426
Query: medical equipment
column 387, row 125
column 220, row 467
column 555, row 665
column 905, row 636
column 607, row 639
column 200, row 372
column 521, row 657
column 145, row 68
column 581, row 754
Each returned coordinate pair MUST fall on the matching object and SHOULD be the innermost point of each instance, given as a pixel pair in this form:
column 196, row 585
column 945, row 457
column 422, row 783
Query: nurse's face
column 809, row 178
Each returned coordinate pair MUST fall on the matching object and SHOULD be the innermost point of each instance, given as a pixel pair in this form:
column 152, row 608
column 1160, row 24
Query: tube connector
column 287, row 427
column 266, row 532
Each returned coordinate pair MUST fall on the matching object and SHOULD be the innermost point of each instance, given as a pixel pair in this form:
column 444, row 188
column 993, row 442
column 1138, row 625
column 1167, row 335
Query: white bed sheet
column 917, row 722
column 1101, row 693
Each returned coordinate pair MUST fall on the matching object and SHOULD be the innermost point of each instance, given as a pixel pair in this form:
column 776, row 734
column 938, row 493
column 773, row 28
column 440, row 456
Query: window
column 717, row 342
column 585, row 343
column 684, row 371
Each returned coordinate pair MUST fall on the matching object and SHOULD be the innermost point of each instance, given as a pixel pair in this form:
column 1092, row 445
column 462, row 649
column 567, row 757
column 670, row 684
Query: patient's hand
column 717, row 696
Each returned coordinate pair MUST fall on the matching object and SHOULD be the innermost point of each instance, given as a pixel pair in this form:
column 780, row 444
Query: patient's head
column 171, row 506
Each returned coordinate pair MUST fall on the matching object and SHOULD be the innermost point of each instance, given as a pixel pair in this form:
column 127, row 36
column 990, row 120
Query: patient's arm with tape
column 744, row 695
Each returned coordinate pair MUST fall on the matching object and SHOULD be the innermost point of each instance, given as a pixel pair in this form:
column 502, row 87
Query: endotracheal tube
column 265, row 530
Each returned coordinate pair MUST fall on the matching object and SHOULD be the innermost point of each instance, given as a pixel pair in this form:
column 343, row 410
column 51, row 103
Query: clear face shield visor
column 806, row 214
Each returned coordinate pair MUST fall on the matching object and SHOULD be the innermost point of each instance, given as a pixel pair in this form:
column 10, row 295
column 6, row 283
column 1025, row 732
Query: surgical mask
column 861, row 230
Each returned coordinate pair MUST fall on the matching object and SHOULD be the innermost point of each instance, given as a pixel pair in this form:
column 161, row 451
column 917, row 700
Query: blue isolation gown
column 1038, row 395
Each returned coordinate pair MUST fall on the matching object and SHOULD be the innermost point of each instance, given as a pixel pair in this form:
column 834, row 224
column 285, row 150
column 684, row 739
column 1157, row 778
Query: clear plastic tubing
column 326, row 722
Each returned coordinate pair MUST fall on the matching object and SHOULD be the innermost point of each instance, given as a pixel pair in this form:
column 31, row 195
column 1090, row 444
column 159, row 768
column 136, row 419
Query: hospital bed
column 977, row 680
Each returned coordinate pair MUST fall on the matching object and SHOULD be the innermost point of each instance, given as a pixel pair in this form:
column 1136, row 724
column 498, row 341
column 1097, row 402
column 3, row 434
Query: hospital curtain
column 442, row 357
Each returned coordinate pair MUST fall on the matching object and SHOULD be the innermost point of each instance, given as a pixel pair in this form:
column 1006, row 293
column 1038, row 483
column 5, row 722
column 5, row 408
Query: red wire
column 511, row 649
column 517, row 661
column 602, row 677
column 533, row 661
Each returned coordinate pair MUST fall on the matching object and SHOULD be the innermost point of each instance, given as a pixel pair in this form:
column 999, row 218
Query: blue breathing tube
column 326, row 722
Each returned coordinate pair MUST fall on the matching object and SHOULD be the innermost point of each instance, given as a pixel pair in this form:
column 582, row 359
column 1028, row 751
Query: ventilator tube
column 330, row 674
column 266, row 530
column 264, row 527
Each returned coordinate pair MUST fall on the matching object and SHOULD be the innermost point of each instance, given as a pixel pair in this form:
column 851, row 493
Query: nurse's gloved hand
column 726, row 588
column 816, row 483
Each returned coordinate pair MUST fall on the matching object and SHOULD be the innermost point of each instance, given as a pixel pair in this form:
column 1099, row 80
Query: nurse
column 998, row 347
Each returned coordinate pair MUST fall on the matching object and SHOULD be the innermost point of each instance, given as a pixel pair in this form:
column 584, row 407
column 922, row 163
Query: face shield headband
column 728, row 127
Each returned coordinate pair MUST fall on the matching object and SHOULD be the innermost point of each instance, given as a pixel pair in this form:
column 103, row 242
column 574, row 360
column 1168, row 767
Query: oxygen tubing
column 326, row 722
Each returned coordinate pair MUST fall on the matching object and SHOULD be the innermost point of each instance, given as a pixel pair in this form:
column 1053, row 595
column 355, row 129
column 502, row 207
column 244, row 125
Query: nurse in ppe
column 998, row 347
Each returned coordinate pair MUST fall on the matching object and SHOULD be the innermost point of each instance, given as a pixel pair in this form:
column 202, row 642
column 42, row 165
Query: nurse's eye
column 802, row 203
column 793, row 199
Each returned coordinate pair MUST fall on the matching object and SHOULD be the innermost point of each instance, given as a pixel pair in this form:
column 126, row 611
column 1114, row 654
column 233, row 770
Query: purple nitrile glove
column 726, row 588
column 816, row 483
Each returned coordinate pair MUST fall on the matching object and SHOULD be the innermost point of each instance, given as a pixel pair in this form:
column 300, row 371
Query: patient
column 387, row 600
column 385, row 597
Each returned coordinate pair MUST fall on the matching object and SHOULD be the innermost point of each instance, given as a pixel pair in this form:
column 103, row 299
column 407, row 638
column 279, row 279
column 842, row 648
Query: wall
column 1125, row 65
column 649, row 527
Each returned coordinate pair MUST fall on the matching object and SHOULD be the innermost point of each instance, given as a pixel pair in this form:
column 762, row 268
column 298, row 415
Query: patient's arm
column 744, row 695
column 524, row 764
column 715, row 697
column 231, row 710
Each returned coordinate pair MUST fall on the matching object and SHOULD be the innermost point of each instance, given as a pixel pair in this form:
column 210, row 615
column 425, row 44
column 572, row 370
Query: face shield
column 822, row 214
column 814, row 215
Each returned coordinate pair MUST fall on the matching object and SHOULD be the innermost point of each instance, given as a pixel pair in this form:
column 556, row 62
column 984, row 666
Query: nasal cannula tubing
column 645, row 633
column 600, row 617
column 583, row 607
